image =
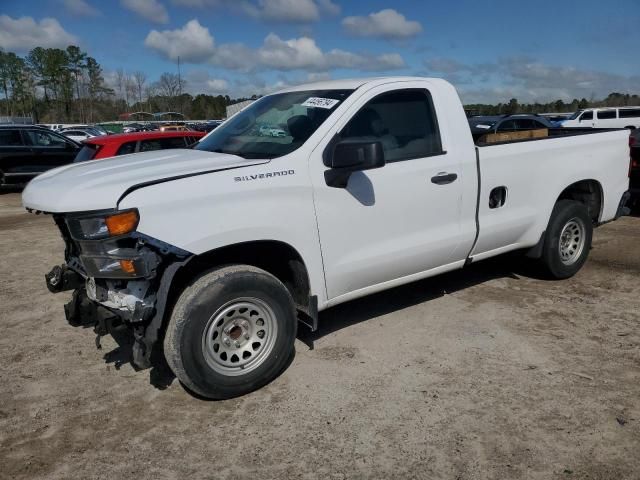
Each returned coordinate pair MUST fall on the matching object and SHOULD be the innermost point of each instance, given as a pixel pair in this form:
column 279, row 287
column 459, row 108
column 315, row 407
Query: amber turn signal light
column 122, row 223
column 127, row 266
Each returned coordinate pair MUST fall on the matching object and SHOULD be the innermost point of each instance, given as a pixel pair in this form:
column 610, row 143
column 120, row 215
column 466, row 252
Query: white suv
column 610, row 117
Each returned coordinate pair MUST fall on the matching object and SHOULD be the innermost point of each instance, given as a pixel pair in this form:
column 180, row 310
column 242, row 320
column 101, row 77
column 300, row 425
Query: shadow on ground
column 353, row 312
column 378, row 304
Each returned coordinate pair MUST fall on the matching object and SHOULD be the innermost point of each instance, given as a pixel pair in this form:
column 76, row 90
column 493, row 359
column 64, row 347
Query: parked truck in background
column 217, row 251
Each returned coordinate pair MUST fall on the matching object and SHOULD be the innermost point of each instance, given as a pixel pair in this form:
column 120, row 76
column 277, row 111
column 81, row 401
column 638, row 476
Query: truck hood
column 99, row 184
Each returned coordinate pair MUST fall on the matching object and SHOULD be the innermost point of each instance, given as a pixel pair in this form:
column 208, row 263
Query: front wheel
column 231, row 332
column 567, row 239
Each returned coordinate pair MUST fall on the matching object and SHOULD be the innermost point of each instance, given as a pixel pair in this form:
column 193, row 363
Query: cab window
column 403, row 121
column 587, row 116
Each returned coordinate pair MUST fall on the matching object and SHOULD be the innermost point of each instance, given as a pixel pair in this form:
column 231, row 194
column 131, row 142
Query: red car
column 123, row 143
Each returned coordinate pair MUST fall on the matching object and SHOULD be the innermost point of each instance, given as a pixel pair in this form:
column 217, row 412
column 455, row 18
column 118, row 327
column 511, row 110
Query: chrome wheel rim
column 572, row 239
column 239, row 336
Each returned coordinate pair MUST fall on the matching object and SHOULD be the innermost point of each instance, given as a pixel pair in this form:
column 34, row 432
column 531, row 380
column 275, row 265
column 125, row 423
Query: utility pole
column 179, row 79
column 179, row 86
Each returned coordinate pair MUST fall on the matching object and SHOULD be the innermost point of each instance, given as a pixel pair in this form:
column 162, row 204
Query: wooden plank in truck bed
column 513, row 136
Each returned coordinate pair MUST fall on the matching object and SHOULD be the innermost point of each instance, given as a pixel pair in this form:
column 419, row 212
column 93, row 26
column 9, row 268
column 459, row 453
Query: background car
column 204, row 126
column 94, row 128
column 634, row 168
column 174, row 128
column 482, row 125
column 606, row 117
column 80, row 133
column 139, row 127
column 125, row 143
column 28, row 150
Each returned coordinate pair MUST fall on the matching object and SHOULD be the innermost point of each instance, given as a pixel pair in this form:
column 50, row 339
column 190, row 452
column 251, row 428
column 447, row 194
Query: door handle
column 444, row 178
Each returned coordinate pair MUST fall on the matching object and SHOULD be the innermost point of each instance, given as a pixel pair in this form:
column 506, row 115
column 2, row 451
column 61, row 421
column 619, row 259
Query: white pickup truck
column 219, row 250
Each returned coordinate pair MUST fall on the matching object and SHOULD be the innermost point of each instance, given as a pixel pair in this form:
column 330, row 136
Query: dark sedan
column 27, row 151
column 482, row 125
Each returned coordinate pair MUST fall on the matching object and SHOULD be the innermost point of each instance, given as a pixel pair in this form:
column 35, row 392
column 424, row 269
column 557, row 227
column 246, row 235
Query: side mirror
column 352, row 156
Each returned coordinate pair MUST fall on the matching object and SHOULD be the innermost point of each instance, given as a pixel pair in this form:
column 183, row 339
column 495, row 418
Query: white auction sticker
column 320, row 102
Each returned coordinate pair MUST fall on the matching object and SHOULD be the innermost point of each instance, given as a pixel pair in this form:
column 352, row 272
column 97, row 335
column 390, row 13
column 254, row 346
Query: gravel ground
column 485, row 373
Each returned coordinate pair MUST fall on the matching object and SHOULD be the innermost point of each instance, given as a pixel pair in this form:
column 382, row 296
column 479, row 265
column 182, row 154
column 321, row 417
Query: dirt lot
column 486, row 373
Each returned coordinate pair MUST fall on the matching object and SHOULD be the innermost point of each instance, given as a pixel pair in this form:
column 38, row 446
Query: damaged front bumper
column 118, row 282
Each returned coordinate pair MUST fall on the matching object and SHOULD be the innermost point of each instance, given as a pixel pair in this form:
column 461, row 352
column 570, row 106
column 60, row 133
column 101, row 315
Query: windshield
column 87, row 152
column 576, row 115
column 275, row 125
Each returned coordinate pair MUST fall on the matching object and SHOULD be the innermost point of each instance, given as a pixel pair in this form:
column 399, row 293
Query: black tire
column 568, row 217
column 212, row 305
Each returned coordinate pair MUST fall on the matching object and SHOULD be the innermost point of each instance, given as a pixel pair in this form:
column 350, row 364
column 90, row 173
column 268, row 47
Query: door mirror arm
column 349, row 156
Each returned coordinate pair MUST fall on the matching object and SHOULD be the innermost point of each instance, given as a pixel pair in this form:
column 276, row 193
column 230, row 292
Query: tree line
column 53, row 85
column 558, row 106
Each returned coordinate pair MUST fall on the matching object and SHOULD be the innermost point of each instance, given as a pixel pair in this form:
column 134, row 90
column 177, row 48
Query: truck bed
column 532, row 172
column 551, row 133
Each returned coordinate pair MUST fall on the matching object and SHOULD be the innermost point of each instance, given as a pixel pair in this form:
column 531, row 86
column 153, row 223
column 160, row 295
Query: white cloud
column 218, row 85
column 151, row 10
column 195, row 3
column 445, row 65
column 282, row 11
column 329, row 7
column 200, row 81
column 528, row 80
column 318, row 77
column 286, row 11
column 81, row 8
column 386, row 23
column 24, row 33
column 192, row 42
column 291, row 54
column 300, row 54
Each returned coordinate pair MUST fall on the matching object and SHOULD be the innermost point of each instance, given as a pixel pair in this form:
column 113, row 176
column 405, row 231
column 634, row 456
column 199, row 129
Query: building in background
column 236, row 107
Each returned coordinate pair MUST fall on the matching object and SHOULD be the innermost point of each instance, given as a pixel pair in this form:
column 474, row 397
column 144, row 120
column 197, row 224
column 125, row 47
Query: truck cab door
column 403, row 219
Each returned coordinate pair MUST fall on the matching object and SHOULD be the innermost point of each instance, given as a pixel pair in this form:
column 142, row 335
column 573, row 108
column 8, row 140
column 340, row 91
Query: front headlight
column 105, row 225
column 115, row 266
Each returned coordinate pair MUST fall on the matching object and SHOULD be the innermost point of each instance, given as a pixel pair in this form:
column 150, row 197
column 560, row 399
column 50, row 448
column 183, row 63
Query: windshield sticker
column 320, row 102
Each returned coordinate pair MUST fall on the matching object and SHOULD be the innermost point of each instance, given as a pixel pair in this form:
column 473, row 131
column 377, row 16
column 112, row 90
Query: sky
column 491, row 51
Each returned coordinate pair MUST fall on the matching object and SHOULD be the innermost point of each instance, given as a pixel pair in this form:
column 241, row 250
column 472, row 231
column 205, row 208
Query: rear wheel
column 231, row 332
column 567, row 239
